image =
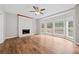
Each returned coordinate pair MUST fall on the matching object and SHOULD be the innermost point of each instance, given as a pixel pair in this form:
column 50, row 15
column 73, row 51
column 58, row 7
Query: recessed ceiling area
column 25, row 8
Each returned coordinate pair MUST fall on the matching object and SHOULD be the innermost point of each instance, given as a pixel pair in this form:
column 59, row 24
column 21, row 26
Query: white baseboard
column 2, row 41
column 10, row 37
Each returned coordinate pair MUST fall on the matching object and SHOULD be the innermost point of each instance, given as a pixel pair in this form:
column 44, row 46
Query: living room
column 44, row 24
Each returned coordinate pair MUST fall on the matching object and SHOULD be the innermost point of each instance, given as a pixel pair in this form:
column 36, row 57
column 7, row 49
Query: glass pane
column 59, row 24
column 59, row 27
column 70, row 32
column 49, row 25
column 70, row 28
column 70, row 24
column 42, row 26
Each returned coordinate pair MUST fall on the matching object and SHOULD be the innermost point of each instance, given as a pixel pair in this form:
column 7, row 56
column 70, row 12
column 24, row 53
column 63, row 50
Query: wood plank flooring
column 38, row 44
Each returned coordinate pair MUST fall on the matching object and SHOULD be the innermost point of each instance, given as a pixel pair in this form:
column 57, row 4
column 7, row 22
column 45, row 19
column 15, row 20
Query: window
column 42, row 25
column 70, row 28
column 59, row 27
column 49, row 25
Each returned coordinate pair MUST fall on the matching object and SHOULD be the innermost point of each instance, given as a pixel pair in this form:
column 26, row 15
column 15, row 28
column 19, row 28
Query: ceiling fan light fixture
column 37, row 13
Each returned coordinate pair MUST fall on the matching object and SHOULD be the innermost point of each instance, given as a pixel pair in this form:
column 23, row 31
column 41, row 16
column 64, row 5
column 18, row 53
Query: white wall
column 26, row 23
column 77, row 23
column 34, row 26
column 11, row 25
column 37, row 26
column 2, row 24
column 2, row 37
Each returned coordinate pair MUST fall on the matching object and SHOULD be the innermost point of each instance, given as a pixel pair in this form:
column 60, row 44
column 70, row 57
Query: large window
column 59, row 27
column 42, row 27
column 49, row 27
column 70, row 28
column 62, row 25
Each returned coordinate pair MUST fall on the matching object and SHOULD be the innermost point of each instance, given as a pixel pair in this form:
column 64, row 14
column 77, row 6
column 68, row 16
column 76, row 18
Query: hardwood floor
column 38, row 44
column 22, row 45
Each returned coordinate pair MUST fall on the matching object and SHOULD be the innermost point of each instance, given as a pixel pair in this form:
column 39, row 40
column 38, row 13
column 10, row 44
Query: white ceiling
column 25, row 8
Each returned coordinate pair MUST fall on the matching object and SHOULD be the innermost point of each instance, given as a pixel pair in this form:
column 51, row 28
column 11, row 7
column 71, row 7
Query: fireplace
column 25, row 31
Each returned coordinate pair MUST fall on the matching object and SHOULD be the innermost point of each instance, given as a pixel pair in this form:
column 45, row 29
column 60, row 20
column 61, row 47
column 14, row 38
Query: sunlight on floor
column 55, row 44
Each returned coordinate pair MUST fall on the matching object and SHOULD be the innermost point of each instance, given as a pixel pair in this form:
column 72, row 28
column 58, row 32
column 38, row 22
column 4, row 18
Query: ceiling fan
column 38, row 10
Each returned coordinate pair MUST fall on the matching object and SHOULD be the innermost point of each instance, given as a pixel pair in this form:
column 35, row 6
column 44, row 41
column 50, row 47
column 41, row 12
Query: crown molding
column 24, row 16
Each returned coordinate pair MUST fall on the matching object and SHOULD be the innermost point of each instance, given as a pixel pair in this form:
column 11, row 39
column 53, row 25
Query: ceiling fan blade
column 42, row 9
column 41, row 13
column 34, row 7
column 31, row 11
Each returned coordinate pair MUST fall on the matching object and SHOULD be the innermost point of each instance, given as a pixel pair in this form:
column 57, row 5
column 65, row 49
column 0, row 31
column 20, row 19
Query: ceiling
column 25, row 8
